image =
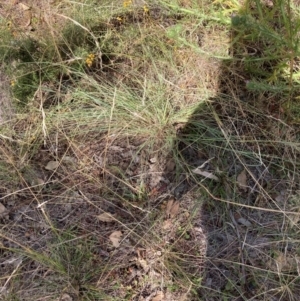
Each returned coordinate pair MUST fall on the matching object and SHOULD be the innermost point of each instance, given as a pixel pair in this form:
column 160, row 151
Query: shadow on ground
column 234, row 169
column 236, row 173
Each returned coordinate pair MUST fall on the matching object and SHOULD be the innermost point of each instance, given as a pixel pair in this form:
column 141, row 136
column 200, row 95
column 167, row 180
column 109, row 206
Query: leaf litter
column 106, row 217
column 52, row 165
column 242, row 180
column 2, row 209
column 115, row 238
column 125, row 255
column 172, row 208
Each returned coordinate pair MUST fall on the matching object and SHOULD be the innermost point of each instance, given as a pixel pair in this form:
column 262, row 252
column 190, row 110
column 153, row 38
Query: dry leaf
column 69, row 159
column 143, row 264
column 116, row 148
column 52, row 165
column 2, row 209
column 244, row 222
column 39, row 181
column 242, row 180
column 115, row 238
column 23, row 6
column 159, row 297
column 66, row 297
column 153, row 160
column 26, row 14
column 170, row 165
column 167, row 224
column 169, row 206
column 172, row 208
column 283, row 264
column 105, row 217
column 205, row 174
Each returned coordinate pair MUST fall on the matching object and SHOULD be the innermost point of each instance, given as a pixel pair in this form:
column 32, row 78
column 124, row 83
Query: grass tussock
column 151, row 150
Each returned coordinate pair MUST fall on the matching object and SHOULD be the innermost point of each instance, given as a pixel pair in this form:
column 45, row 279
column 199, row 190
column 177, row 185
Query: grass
column 127, row 99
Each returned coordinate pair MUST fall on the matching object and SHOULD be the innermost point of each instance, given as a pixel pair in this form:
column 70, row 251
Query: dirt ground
column 130, row 244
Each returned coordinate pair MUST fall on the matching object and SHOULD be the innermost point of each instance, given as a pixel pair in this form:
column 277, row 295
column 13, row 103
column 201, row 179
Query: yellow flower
column 146, row 9
column 127, row 3
column 12, row 83
column 90, row 59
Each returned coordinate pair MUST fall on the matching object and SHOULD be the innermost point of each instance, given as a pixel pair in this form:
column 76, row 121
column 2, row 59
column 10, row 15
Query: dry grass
column 125, row 102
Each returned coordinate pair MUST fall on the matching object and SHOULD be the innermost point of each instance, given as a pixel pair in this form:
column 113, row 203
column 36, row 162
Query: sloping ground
column 147, row 171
